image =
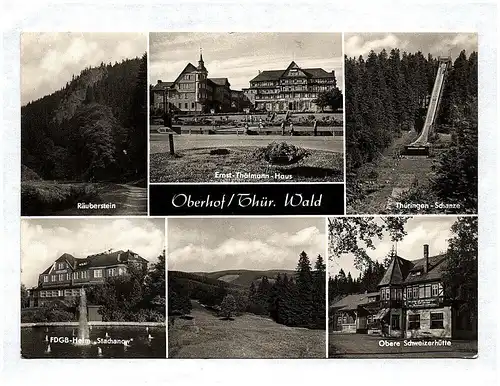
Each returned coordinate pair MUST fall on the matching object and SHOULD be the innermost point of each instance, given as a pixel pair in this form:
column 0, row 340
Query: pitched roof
column 268, row 75
column 396, row 272
column 189, row 68
column 277, row 74
column 437, row 265
column 318, row 73
column 351, row 302
column 99, row 260
column 160, row 86
column 219, row 81
column 402, row 271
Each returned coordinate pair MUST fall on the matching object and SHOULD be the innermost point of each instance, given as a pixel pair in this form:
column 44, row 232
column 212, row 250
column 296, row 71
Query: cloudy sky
column 44, row 240
column 249, row 243
column 48, row 60
column 437, row 44
column 432, row 230
column 240, row 56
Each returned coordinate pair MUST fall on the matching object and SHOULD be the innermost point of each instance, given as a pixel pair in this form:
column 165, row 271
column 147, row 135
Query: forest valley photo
column 248, row 312
column 87, row 143
column 387, row 94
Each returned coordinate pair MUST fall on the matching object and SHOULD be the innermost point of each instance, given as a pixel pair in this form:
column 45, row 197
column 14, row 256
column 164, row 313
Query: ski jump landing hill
column 421, row 145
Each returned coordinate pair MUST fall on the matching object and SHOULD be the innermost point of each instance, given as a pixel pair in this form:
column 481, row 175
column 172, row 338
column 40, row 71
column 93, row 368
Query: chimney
column 159, row 81
column 426, row 257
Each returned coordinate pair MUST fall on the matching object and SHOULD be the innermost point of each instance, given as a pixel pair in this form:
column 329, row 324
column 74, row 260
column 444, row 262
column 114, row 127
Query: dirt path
column 130, row 200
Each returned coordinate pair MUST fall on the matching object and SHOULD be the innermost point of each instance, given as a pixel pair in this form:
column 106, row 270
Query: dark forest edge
column 93, row 130
column 385, row 95
column 295, row 299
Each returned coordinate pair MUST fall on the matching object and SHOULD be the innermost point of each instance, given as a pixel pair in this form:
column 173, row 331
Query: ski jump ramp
column 421, row 145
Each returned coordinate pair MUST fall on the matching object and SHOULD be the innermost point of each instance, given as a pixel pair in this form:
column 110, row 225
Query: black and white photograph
column 93, row 288
column 403, row 287
column 411, row 123
column 83, row 124
column 246, row 288
column 246, row 107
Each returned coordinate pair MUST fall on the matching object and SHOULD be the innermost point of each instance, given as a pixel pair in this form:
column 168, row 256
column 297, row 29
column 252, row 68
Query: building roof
column 98, row 260
column 189, row 68
column 402, row 271
column 437, row 265
column 277, row 74
column 351, row 302
column 219, row 81
column 161, row 86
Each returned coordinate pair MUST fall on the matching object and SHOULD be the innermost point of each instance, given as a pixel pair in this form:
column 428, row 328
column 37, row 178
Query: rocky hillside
column 93, row 129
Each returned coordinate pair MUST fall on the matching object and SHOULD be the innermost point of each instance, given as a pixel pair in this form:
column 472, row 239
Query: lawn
column 247, row 336
column 198, row 165
column 367, row 346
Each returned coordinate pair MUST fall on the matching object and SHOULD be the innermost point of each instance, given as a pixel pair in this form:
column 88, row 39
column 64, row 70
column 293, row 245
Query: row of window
column 421, row 291
column 424, row 291
column 95, row 273
column 436, row 321
column 60, row 293
column 286, row 96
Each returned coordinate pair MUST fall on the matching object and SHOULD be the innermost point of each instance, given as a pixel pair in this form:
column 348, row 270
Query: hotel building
column 66, row 276
column 293, row 88
column 410, row 303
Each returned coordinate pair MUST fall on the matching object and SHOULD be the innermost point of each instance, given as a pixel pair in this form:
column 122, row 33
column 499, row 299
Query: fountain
column 83, row 324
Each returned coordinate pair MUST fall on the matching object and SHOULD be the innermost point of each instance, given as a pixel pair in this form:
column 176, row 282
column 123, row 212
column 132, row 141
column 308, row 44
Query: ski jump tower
column 421, row 145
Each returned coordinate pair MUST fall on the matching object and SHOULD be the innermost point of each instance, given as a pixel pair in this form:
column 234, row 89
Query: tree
column 460, row 278
column 348, row 234
column 25, row 301
column 304, row 289
column 319, row 293
column 332, row 98
column 228, row 306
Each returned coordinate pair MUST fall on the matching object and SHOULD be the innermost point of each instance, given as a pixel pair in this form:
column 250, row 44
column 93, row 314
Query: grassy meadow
column 247, row 336
column 199, row 165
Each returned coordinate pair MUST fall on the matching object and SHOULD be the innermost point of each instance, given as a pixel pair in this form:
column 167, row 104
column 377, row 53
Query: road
column 159, row 142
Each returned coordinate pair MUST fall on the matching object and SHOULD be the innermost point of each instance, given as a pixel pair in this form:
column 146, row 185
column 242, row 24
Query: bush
column 282, row 153
column 219, row 152
column 46, row 314
column 228, row 306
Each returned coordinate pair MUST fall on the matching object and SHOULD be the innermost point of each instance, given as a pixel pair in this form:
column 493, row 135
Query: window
column 45, row 279
column 435, row 290
column 415, row 292
column 61, row 277
column 112, row 272
column 42, row 294
column 121, row 271
column 192, row 105
column 68, row 276
column 98, row 273
column 437, row 319
column 61, row 265
column 414, row 322
column 75, row 275
column 185, row 104
column 427, row 291
column 395, row 322
column 339, row 320
column 60, row 293
column 53, row 278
